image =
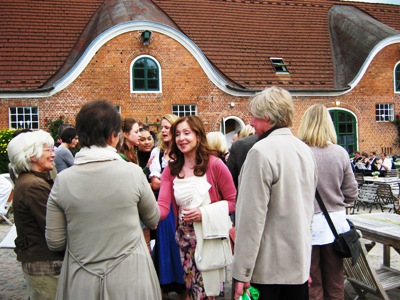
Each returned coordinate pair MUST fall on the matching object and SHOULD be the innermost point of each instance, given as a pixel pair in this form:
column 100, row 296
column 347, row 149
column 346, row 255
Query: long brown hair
column 202, row 153
column 129, row 153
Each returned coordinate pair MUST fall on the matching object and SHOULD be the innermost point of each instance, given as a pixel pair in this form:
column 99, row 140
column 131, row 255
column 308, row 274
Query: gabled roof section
column 112, row 13
column 354, row 34
column 42, row 40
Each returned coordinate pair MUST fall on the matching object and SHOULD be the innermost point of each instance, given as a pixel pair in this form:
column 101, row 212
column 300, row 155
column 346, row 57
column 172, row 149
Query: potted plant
column 375, row 174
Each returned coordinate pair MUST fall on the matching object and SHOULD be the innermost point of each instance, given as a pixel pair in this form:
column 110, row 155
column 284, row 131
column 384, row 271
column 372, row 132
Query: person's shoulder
column 30, row 179
column 244, row 143
column 251, row 139
column 339, row 149
column 60, row 149
column 214, row 160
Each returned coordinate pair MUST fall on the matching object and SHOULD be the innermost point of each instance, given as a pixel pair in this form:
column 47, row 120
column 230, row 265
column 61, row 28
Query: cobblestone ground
column 13, row 287
column 12, row 283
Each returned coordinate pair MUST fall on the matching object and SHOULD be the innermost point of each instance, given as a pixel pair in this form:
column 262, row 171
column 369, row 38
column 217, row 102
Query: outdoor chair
column 366, row 197
column 385, row 197
column 360, row 179
column 8, row 215
column 392, row 173
column 364, row 279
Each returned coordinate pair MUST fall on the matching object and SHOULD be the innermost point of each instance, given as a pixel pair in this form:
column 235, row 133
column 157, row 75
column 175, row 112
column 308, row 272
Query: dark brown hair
column 96, row 122
column 129, row 153
column 202, row 153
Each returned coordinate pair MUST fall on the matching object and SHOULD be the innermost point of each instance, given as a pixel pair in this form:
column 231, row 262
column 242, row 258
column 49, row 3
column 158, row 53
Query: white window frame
column 278, row 62
column 397, row 91
column 384, row 112
column 181, row 109
column 159, row 75
column 24, row 117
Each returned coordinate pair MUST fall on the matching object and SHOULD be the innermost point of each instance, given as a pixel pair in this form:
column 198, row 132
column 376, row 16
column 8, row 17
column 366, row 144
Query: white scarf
column 95, row 154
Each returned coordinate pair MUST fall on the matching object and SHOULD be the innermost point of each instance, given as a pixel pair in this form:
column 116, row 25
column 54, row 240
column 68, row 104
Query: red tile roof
column 239, row 36
column 39, row 38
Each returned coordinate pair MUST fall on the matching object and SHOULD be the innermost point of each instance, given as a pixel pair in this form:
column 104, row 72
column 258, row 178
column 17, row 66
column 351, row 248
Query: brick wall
column 107, row 76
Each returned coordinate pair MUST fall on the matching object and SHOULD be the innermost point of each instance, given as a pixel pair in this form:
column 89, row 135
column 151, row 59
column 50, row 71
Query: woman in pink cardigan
column 193, row 178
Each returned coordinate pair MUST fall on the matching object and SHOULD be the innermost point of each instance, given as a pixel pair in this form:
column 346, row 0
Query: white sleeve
column 155, row 167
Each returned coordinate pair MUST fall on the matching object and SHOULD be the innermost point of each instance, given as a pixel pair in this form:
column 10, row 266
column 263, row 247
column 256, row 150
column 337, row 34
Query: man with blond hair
column 275, row 204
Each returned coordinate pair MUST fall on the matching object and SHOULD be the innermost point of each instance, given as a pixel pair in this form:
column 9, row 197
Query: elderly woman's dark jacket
column 31, row 192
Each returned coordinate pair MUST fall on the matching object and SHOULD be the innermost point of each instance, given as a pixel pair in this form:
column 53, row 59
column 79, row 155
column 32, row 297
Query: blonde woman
column 166, row 255
column 161, row 152
column 217, row 145
column 337, row 186
column 246, row 131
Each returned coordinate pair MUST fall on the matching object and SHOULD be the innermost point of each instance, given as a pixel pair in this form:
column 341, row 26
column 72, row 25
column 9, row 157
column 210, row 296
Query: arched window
column 145, row 75
column 346, row 129
column 397, row 78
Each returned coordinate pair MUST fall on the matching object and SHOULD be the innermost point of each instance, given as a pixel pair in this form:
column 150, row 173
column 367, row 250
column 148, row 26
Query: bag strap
column 327, row 217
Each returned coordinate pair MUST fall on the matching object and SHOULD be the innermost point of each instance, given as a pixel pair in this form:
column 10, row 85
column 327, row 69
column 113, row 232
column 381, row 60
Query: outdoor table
column 382, row 228
column 381, row 179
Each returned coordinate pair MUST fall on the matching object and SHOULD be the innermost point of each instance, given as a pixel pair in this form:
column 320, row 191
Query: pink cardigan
column 216, row 170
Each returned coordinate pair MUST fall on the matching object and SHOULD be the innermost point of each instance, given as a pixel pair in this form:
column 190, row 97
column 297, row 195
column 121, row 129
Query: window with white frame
column 384, row 112
column 279, row 65
column 145, row 75
column 397, row 78
column 23, row 117
column 182, row 110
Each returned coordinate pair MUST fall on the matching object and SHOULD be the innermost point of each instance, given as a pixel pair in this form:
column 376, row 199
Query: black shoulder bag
column 345, row 244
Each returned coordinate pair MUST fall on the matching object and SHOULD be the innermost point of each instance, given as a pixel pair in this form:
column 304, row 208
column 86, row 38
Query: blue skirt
column 168, row 265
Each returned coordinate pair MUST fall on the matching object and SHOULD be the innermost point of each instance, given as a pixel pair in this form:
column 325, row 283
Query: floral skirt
column 186, row 239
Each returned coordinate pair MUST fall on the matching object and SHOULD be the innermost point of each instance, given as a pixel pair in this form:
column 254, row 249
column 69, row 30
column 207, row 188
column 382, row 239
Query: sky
column 396, row 2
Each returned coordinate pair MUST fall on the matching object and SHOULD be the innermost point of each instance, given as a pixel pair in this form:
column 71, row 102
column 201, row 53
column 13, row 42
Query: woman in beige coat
column 93, row 212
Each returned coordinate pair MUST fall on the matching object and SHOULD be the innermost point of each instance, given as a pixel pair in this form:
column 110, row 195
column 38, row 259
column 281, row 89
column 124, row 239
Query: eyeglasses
column 50, row 149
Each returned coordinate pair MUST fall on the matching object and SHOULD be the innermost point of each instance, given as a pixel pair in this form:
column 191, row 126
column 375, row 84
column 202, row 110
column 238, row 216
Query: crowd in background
column 115, row 210
column 367, row 164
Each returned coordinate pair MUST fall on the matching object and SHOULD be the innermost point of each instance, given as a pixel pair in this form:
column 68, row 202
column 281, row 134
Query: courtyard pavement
column 13, row 286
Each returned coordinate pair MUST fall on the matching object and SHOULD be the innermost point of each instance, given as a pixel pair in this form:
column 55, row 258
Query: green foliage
column 54, row 125
column 5, row 137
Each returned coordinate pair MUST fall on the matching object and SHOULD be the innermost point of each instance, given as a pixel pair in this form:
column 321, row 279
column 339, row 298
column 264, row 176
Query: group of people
column 85, row 235
column 362, row 163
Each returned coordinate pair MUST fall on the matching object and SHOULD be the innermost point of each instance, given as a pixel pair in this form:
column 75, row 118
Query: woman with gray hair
column 31, row 157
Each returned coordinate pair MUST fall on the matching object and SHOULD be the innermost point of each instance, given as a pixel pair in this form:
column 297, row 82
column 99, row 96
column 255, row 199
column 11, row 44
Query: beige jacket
column 94, row 211
column 274, row 212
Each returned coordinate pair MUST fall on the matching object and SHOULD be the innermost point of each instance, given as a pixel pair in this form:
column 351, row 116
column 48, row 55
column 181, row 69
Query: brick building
column 205, row 57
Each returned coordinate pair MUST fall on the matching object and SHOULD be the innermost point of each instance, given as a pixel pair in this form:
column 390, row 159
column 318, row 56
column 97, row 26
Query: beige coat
column 274, row 211
column 93, row 210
